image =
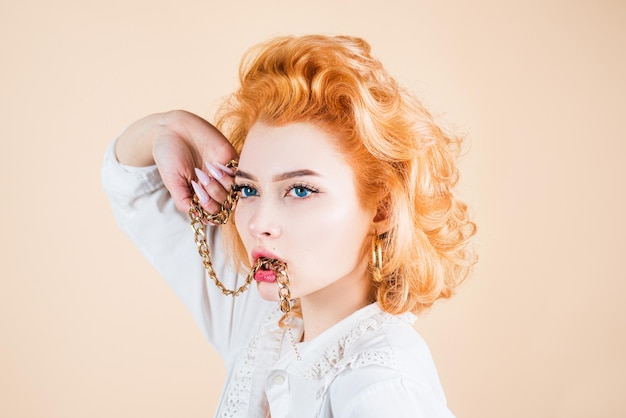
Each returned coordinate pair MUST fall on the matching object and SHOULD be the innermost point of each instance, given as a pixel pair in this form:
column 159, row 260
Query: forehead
column 289, row 147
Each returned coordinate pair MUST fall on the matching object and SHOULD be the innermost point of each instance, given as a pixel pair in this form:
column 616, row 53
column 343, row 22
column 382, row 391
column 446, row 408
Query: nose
column 264, row 220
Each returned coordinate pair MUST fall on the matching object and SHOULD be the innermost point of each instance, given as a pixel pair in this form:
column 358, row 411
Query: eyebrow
column 280, row 177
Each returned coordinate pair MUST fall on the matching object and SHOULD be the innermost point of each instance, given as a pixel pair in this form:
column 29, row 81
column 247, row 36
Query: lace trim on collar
column 332, row 355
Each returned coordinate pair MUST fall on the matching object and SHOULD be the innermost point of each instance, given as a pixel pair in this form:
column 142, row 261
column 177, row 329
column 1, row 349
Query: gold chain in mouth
column 282, row 279
column 199, row 218
column 263, row 263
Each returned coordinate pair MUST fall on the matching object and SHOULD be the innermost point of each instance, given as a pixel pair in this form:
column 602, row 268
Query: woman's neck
column 326, row 307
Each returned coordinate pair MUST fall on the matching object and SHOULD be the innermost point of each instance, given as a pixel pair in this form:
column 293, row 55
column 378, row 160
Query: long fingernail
column 225, row 169
column 202, row 195
column 202, row 176
column 215, row 172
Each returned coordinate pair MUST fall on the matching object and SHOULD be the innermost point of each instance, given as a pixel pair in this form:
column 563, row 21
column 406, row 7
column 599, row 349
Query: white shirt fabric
column 371, row 364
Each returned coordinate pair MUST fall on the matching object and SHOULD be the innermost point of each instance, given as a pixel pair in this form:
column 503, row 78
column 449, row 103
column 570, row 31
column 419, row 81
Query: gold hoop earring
column 377, row 258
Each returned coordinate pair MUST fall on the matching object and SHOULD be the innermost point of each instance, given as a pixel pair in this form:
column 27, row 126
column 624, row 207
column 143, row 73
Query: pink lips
column 265, row 276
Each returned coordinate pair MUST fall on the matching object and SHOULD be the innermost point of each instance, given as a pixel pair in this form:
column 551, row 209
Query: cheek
column 337, row 236
column 241, row 218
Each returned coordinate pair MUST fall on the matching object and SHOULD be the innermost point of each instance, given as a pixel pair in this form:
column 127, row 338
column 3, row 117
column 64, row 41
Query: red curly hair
column 403, row 161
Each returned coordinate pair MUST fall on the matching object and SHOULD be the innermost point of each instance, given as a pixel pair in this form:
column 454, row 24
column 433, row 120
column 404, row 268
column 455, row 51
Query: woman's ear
column 381, row 218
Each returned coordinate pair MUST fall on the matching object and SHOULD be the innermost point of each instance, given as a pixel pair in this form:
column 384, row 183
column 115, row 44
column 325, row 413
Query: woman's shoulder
column 388, row 361
column 393, row 343
column 372, row 337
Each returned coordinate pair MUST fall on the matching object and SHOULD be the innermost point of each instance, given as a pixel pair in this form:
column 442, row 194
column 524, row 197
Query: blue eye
column 301, row 192
column 246, row 191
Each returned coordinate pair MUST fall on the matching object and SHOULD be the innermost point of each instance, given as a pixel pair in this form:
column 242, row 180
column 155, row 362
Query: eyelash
column 240, row 188
column 245, row 189
column 309, row 189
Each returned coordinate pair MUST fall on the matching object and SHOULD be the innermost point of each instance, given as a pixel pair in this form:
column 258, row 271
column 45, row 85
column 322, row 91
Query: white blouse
column 370, row 364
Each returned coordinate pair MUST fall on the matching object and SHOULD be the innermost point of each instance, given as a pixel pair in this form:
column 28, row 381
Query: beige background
column 87, row 329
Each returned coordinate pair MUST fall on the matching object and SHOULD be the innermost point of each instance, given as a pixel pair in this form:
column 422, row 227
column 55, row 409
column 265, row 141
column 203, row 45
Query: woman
column 344, row 215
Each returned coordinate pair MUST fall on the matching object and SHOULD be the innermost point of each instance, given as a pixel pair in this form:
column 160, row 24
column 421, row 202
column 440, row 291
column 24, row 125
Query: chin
column 268, row 291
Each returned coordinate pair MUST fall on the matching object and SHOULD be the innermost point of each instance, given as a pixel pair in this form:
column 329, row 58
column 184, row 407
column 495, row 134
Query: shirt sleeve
column 145, row 211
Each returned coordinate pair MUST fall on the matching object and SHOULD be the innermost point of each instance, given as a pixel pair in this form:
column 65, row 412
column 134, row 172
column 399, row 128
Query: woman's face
column 298, row 204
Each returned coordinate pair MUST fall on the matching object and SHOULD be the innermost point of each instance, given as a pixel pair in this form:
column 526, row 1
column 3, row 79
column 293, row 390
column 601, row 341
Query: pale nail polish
column 215, row 172
column 225, row 169
column 203, row 197
column 202, row 176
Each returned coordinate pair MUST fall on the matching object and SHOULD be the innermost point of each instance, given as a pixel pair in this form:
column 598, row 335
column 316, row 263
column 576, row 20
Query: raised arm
column 178, row 142
column 146, row 175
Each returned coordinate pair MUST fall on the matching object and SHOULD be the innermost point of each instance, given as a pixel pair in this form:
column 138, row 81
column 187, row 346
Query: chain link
column 197, row 214
column 199, row 218
column 283, row 291
column 285, row 302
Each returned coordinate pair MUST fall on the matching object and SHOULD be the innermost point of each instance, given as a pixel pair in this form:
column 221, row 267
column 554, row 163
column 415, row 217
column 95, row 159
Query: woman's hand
column 186, row 149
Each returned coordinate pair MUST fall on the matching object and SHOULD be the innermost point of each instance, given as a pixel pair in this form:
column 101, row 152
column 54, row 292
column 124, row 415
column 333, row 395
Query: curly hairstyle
column 403, row 161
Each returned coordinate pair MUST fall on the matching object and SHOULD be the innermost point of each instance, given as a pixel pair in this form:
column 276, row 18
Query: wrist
column 133, row 146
